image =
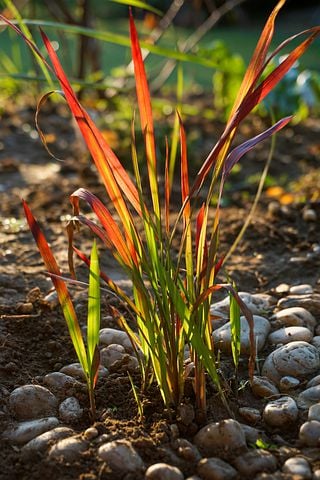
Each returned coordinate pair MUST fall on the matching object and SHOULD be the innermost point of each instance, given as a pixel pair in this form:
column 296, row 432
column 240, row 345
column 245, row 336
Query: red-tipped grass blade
column 60, row 286
column 145, row 111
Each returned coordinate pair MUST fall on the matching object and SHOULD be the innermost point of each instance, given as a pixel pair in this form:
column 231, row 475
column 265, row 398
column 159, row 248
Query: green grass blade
column 139, row 4
column 93, row 323
column 235, row 329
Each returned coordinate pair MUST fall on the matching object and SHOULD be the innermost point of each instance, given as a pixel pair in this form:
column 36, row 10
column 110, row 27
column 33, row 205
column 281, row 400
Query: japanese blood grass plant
column 171, row 293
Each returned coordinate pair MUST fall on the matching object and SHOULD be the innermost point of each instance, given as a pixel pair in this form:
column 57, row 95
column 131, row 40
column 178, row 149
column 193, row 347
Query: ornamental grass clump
column 171, row 290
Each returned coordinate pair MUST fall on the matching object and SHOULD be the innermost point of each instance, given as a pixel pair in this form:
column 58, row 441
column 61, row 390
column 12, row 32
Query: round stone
column 68, row 449
column 23, row 432
column 288, row 383
column 163, row 471
column 314, row 412
column 309, row 433
column 290, row 334
column 294, row 316
column 251, row 463
column 42, row 442
column 263, row 387
column 70, row 410
column 297, row 466
column 309, row 397
column 217, row 439
column 280, row 412
column 215, row 469
column 121, row 456
column 32, row 401
column 109, row 336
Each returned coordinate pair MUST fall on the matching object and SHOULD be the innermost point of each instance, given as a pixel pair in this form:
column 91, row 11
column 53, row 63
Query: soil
column 280, row 246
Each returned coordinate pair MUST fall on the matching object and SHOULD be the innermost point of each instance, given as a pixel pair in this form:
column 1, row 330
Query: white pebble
column 70, row 410
column 282, row 288
column 90, row 433
column 163, row 471
column 218, row 438
column 297, row 466
column 294, row 316
column 301, row 289
column 290, row 334
column 32, row 401
column 309, row 433
column 75, row 370
column 120, row 456
column 222, row 336
column 311, row 302
column 115, row 358
column 23, row 432
column 215, row 469
column 314, row 412
column 280, row 412
column 110, row 336
column 255, row 461
column 68, row 449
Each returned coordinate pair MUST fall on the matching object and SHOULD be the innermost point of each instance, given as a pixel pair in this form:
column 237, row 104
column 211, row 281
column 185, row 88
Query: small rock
column 186, row 450
column 314, row 381
column 309, row 215
column 297, row 466
column 280, row 412
column 309, row 397
column 109, row 336
column 163, row 471
column 25, row 308
column 75, row 370
column 215, row 469
column 288, row 383
column 301, row 289
column 115, row 358
column 309, row 434
column 121, row 456
column 282, row 288
column 61, row 382
column 314, row 412
column 23, row 432
column 290, row 334
column 294, row 316
column 32, row 401
column 296, row 359
column 263, row 387
column 217, row 439
column 70, row 410
column 253, row 434
column 311, row 302
column 90, row 433
column 255, row 461
column 222, row 336
column 68, row 449
column 258, row 304
column 316, row 341
column 43, row 441
column 251, row 415
column 186, row 413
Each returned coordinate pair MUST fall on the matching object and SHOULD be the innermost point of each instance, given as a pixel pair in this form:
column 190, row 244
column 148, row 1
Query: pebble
column 32, row 401
column 316, row 341
column 296, row 359
column 280, row 412
column 309, row 434
column 282, row 288
column 288, row 383
column 301, row 289
column 23, row 432
column 297, row 466
column 75, row 370
column 70, row 410
column 215, row 469
column 311, row 302
column 316, row 475
column 222, row 336
column 309, row 397
column 263, row 387
column 294, row 317
column 255, row 461
column 309, row 215
column 253, row 434
column 314, row 381
column 109, row 336
column 121, row 456
column 290, row 334
column 163, row 471
column 220, row 438
column 90, row 433
column 43, row 441
column 68, row 449
column 186, row 450
column 115, row 358
column 25, row 308
column 61, row 382
column 258, row 303
column 314, row 412
column 251, row 415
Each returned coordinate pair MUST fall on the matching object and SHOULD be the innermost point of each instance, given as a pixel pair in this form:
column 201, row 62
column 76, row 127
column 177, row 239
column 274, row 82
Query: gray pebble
column 68, row 449
column 255, row 461
column 309, row 397
column 110, row 336
column 314, row 412
column 222, row 336
column 121, row 456
column 288, row 383
column 215, row 469
column 32, row 401
column 311, row 302
column 61, row 382
column 70, row 410
column 280, row 412
column 297, row 466
column 314, row 381
column 316, row 341
column 251, row 415
column 43, row 441
column 23, row 432
column 75, row 370
column 263, row 387
column 309, row 434
column 294, row 316
column 217, row 439
column 163, row 471
column 186, row 450
column 290, row 334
